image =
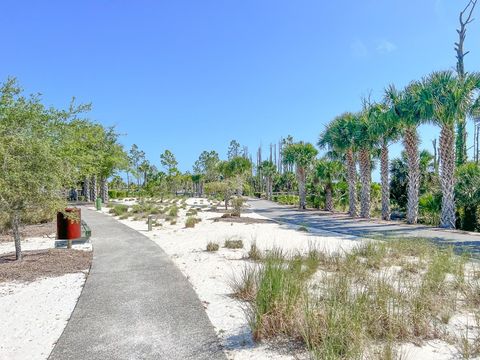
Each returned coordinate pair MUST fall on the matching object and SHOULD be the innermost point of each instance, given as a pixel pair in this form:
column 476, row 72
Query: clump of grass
column 173, row 222
column 192, row 212
column 359, row 300
column 233, row 244
column 191, row 222
column 254, row 253
column 173, row 211
column 302, row 228
column 124, row 216
column 119, row 209
column 212, row 246
column 245, row 285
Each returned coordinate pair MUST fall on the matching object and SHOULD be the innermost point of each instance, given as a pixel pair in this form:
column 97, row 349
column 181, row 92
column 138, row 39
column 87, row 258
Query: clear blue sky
column 192, row 75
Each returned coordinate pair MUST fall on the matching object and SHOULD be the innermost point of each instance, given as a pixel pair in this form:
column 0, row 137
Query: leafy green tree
column 268, row 170
column 237, row 170
column 35, row 167
column 233, row 150
column 328, row 173
column 302, row 155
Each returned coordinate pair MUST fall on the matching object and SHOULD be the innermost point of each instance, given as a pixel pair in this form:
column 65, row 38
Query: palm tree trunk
column 301, row 187
column 385, row 181
column 328, row 198
column 86, row 189
column 447, row 178
column 93, row 188
column 366, row 179
column 16, row 236
column 410, row 141
column 352, row 183
column 104, row 190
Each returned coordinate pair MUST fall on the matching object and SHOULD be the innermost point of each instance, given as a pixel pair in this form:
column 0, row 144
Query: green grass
column 212, row 246
column 233, row 244
column 191, row 222
column 362, row 303
column 119, row 209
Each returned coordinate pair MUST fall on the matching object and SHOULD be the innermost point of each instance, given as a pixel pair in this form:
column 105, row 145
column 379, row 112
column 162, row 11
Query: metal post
column 149, row 221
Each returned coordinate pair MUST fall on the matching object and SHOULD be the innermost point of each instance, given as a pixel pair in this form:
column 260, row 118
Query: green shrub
column 191, row 222
column 233, row 244
column 112, row 194
column 173, row 211
column 212, row 246
column 237, row 204
column 119, row 209
column 254, row 253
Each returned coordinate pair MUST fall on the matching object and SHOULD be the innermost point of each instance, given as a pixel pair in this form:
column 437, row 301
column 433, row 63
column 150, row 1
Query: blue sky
column 192, row 75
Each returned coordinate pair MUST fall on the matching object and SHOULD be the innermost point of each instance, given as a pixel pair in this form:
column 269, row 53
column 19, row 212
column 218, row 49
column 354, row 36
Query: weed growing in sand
column 212, row 246
column 233, row 244
column 119, row 209
column 254, row 253
column 191, row 222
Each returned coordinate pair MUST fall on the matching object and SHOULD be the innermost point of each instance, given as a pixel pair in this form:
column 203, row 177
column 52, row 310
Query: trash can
column 98, row 204
column 69, row 229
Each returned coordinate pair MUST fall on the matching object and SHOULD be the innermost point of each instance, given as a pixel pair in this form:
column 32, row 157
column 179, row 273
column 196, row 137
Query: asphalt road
column 342, row 224
column 136, row 304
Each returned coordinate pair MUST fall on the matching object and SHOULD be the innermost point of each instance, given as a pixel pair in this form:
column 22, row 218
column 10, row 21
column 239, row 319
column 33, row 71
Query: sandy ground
column 210, row 274
column 34, row 314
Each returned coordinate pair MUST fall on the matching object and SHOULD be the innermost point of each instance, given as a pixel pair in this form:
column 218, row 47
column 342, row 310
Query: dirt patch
column 43, row 263
column 242, row 220
column 29, row 231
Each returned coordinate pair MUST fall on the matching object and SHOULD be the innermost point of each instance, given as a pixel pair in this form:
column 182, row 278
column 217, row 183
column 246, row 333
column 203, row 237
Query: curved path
column 136, row 304
column 343, row 224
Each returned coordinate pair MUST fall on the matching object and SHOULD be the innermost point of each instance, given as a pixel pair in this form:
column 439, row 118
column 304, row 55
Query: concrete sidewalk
column 136, row 304
column 343, row 224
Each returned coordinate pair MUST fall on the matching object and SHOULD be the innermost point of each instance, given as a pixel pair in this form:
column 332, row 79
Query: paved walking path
column 136, row 304
column 341, row 223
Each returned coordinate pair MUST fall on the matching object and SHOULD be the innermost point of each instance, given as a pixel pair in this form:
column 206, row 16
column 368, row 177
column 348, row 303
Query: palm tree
column 328, row 172
column 445, row 99
column 268, row 170
column 365, row 143
column 302, row 156
column 384, row 130
column 339, row 138
column 404, row 109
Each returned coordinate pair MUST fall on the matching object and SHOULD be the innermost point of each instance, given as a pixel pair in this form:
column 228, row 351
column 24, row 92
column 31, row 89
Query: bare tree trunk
column 435, row 156
column 16, row 236
column 447, row 178
column 93, row 188
column 104, row 190
column 86, row 189
column 352, row 183
column 366, row 176
column 410, row 141
column 384, row 170
column 328, row 198
column 301, row 187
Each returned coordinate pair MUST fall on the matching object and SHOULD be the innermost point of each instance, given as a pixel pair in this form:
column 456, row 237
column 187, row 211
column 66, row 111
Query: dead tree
column 465, row 18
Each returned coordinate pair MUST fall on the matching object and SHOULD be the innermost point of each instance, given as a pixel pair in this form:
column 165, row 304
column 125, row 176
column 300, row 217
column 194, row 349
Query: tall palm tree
column 404, row 109
column 328, row 172
column 302, row 156
column 339, row 138
column 384, row 130
column 365, row 143
column 268, row 170
column 445, row 99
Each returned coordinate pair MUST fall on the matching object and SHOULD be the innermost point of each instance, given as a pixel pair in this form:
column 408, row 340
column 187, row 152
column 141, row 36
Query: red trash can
column 69, row 229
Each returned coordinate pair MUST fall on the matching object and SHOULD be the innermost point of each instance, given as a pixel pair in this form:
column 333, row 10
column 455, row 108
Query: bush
column 233, row 244
column 254, row 253
column 173, row 211
column 211, row 246
column 119, row 209
column 237, row 204
column 191, row 222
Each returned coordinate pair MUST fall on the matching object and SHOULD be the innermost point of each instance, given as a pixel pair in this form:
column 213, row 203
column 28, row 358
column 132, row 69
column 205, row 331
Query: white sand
column 211, row 273
column 33, row 315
